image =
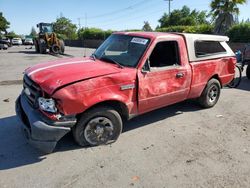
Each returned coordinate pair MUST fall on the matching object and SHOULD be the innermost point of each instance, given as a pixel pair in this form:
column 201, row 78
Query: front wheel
column 42, row 46
column 99, row 126
column 36, row 46
column 210, row 94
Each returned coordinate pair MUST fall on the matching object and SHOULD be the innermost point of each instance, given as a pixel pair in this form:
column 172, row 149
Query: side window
column 165, row 54
column 206, row 48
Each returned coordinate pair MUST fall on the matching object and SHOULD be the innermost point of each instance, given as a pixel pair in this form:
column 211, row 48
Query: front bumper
column 41, row 132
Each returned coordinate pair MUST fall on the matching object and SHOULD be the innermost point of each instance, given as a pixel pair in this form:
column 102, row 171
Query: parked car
column 3, row 46
column 130, row 74
column 5, row 41
column 16, row 41
column 28, row 41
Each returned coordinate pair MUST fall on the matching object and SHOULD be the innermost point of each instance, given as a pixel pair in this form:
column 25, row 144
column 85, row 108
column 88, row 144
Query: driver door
column 167, row 78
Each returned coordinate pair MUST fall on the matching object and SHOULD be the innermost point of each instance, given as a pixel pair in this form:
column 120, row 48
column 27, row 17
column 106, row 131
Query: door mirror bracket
column 146, row 67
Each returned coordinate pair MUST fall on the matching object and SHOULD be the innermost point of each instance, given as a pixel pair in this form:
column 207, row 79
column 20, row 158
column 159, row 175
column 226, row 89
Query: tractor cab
column 45, row 28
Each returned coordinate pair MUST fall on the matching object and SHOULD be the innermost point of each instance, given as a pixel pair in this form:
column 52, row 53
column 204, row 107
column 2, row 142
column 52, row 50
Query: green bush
column 239, row 33
column 204, row 29
column 93, row 33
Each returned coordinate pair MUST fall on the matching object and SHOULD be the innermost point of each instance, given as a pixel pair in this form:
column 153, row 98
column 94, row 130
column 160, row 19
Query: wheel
column 36, row 46
column 62, row 46
column 55, row 49
column 248, row 71
column 42, row 46
column 210, row 94
column 237, row 77
column 99, row 126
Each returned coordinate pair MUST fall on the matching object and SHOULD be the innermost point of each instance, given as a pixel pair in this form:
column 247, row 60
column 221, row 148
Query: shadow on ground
column 24, row 52
column 32, row 51
column 16, row 152
column 245, row 84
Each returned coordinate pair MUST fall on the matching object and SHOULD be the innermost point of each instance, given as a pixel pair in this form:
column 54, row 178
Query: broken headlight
column 47, row 105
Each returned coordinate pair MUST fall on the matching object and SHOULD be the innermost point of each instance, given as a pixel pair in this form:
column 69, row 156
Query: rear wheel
column 248, row 71
column 62, row 46
column 55, row 49
column 210, row 94
column 99, row 126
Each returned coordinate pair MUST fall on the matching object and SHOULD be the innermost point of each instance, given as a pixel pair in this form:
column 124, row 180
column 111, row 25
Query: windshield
column 123, row 49
column 46, row 29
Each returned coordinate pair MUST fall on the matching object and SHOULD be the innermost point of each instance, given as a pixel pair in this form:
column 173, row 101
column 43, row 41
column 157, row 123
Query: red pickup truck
column 131, row 73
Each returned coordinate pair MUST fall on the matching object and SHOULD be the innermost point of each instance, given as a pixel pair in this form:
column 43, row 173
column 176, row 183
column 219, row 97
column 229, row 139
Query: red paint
column 79, row 86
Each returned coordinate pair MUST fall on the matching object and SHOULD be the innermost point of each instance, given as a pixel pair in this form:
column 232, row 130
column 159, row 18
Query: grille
column 33, row 92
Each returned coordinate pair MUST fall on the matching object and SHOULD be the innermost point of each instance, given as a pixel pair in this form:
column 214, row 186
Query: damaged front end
column 41, row 126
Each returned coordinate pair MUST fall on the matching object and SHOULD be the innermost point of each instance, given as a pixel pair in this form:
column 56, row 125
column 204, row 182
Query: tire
column 237, row 78
column 62, row 46
column 55, row 49
column 104, row 124
column 42, row 46
column 210, row 94
column 248, row 71
column 36, row 46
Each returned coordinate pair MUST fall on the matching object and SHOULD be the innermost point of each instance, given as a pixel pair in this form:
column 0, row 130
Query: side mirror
column 146, row 67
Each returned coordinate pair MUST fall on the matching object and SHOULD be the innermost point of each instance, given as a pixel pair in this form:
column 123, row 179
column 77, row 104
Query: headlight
column 47, row 105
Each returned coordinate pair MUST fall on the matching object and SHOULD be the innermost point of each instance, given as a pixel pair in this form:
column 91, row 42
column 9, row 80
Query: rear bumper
column 41, row 132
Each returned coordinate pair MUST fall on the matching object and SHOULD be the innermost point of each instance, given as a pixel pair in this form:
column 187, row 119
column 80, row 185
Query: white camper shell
column 205, row 47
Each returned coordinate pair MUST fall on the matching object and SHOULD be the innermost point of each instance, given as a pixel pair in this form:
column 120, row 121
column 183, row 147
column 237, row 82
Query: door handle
column 179, row 75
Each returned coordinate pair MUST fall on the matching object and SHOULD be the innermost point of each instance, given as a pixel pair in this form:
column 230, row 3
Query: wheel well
column 120, row 107
column 216, row 76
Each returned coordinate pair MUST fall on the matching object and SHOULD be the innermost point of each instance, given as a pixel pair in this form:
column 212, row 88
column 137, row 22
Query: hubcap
column 213, row 93
column 99, row 130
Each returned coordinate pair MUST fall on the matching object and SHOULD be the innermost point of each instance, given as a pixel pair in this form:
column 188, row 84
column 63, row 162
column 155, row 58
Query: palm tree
column 223, row 12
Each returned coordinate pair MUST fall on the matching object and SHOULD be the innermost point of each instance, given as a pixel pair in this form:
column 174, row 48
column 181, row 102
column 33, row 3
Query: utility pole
column 169, row 5
column 79, row 22
column 86, row 18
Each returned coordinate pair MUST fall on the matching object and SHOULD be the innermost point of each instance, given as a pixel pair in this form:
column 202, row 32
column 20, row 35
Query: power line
column 129, row 8
column 117, row 11
column 133, row 18
column 123, row 15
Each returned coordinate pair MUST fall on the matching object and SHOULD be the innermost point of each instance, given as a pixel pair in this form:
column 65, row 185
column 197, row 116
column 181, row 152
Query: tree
column 4, row 24
column 33, row 32
column 183, row 17
column 223, row 12
column 65, row 28
column 239, row 32
column 93, row 33
column 11, row 35
column 146, row 26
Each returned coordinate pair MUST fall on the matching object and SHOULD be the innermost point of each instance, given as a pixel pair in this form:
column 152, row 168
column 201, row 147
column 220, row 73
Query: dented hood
column 52, row 75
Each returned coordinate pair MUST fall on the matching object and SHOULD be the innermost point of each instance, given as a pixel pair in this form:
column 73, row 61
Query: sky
column 105, row 14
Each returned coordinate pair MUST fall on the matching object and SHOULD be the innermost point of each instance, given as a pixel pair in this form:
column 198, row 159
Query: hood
column 52, row 75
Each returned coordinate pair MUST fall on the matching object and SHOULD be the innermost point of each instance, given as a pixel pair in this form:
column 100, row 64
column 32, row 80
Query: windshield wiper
column 108, row 59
